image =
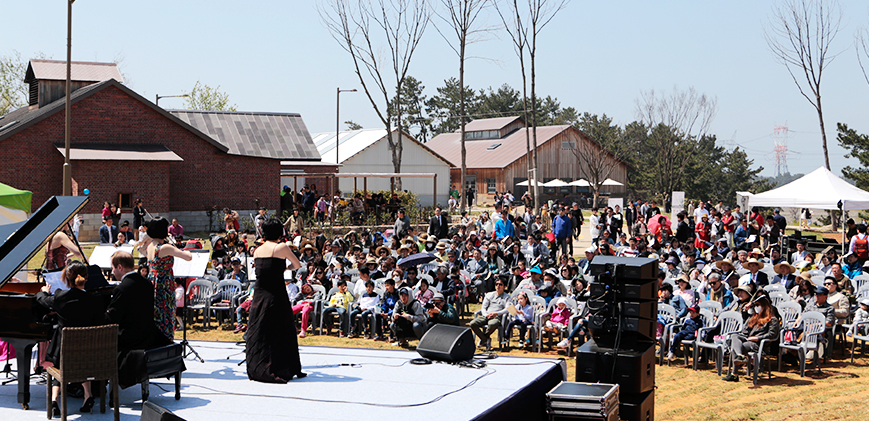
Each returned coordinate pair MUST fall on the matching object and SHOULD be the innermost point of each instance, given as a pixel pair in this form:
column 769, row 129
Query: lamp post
column 338, row 120
column 157, row 102
column 67, row 169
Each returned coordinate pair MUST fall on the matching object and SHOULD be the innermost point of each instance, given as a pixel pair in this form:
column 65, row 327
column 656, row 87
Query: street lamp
column 338, row 120
column 67, row 169
column 157, row 102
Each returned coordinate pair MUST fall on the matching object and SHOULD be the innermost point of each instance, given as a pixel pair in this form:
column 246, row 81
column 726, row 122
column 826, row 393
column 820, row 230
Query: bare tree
column 676, row 123
column 514, row 24
column 461, row 16
column 598, row 150
column 540, row 13
column 862, row 46
column 800, row 34
column 367, row 28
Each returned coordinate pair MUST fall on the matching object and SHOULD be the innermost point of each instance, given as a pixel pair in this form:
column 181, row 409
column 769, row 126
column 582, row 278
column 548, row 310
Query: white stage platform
column 342, row 383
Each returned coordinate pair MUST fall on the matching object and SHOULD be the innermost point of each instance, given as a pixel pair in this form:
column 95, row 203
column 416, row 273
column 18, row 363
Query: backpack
column 861, row 247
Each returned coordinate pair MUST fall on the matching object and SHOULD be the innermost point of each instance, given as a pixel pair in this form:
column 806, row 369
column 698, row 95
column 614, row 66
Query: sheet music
column 195, row 268
column 102, row 254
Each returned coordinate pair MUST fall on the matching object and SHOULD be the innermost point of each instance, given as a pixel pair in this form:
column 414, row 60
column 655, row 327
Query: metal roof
column 25, row 117
column 118, row 152
column 479, row 155
column 489, row 124
column 268, row 135
column 354, row 141
column 80, row 71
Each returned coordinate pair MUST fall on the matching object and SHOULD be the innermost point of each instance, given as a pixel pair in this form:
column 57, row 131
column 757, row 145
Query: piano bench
column 166, row 361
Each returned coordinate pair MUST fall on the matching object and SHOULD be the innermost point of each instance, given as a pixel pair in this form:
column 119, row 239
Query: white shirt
column 699, row 212
column 595, row 231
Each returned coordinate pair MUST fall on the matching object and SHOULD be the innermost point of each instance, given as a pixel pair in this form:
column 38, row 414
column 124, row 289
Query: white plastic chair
column 779, row 297
column 224, row 292
column 789, row 311
column 813, row 327
column 708, row 320
column 713, row 306
column 199, row 296
column 730, row 322
column 774, row 288
column 668, row 314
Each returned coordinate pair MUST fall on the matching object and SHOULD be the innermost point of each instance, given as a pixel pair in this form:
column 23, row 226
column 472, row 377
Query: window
column 565, row 189
column 125, row 200
column 568, row 144
column 493, row 147
column 483, row 134
column 490, row 186
column 548, row 190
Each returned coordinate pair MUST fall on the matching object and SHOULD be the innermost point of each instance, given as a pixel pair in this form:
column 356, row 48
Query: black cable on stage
column 383, row 405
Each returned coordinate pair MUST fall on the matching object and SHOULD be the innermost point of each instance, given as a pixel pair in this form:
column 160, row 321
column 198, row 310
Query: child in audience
column 560, row 316
column 689, row 331
column 861, row 315
column 522, row 320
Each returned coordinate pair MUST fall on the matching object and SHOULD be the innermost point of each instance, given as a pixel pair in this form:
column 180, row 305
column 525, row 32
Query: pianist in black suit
column 74, row 308
column 132, row 308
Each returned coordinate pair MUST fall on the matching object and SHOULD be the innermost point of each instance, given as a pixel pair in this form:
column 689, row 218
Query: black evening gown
column 272, row 346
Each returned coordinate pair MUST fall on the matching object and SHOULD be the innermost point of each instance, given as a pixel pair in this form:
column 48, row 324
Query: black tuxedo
column 132, row 308
column 439, row 226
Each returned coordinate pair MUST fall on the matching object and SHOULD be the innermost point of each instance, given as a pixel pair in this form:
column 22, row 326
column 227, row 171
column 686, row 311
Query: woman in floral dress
column 161, row 258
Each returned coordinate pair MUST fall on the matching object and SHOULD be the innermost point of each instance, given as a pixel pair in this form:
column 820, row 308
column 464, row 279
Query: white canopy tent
column 555, row 183
column 819, row 189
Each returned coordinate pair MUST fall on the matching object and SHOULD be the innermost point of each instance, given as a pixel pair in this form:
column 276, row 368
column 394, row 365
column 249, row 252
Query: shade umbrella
column 524, row 183
column 655, row 222
column 416, row 259
column 581, row 183
column 555, row 183
column 611, row 182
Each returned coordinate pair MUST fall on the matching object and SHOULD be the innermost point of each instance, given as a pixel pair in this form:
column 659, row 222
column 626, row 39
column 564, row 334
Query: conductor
column 132, row 308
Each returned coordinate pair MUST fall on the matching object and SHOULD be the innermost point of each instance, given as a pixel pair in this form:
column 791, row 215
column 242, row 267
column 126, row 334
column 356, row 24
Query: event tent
column 14, row 204
column 819, row 189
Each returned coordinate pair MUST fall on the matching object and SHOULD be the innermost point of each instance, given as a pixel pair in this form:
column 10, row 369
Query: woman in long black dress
column 272, row 346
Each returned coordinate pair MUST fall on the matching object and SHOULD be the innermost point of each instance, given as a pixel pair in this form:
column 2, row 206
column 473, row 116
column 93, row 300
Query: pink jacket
column 560, row 316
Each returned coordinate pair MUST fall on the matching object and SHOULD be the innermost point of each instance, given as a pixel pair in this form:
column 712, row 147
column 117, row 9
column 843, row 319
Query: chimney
column 47, row 78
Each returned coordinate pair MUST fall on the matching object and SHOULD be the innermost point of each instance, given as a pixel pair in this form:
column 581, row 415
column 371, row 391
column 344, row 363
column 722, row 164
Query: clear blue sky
column 595, row 56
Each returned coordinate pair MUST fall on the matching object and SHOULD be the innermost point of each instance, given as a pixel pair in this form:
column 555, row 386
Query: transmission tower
column 780, row 139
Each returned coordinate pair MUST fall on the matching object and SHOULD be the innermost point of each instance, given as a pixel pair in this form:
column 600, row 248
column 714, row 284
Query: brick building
column 124, row 147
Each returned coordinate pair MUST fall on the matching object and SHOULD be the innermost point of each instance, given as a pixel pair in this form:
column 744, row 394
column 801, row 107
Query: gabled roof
column 268, row 135
column 352, row 142
column 80, row 71
column 490, row 124
column 25, row 117
column 490, row 153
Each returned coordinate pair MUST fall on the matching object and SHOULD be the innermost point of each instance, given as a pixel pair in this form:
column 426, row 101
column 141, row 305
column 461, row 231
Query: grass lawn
column 840, row 392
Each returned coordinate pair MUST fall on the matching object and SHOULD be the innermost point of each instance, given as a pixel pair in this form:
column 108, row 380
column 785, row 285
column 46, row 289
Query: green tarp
column 13, row 198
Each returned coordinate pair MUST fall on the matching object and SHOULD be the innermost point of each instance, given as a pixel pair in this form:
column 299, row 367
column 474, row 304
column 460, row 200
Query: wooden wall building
column 497, row 158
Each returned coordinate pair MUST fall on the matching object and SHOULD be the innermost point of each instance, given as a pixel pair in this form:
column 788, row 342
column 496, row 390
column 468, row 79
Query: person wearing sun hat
column 757, row 277
column 785, row 275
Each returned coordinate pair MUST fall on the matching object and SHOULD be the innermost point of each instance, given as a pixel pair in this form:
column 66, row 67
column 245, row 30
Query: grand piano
column 21, row 317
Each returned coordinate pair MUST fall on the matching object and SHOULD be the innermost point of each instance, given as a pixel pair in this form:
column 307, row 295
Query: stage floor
column 342, row 383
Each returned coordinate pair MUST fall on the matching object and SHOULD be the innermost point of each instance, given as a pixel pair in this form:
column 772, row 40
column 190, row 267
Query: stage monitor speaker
column 153, row 412
column 447, row 343
column 646, row 291
column 637, row 406
column 635, row 370
column 637, row 268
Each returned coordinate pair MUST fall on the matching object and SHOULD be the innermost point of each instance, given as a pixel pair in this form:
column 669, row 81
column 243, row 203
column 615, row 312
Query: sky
column 597, row 57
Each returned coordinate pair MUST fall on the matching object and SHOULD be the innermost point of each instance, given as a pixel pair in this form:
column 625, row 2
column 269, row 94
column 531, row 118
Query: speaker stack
column 623, row 307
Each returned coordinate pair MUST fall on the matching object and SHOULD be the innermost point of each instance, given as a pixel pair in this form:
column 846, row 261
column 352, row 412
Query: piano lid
column 20, row 241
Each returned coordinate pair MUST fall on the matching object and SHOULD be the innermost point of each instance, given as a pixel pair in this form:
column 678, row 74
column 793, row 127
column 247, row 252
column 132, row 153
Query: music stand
column 193, row 269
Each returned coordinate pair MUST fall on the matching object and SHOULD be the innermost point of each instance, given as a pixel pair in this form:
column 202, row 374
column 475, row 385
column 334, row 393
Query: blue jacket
column 726, row 300
column 679, row 304
column 387, row 301
column 503, row 228
column 692, row 325
column 740, row 235
column 561, row 226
